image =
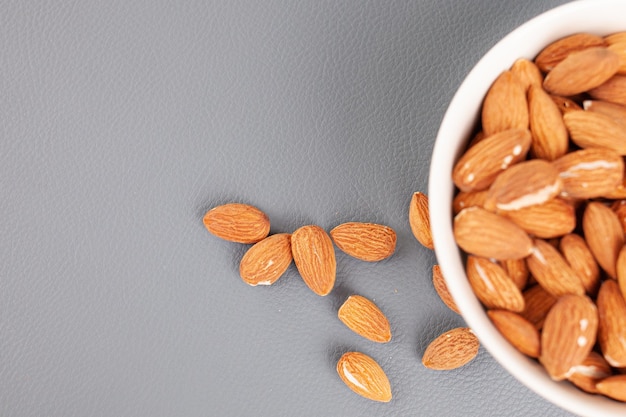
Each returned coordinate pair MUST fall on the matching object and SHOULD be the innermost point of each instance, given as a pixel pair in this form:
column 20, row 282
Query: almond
column 590, row 173
column 617, row 112
column 527, row 72
column 604, row 235
column 267, row 260
column 314, row 256
column 581, row 260
column 482, row 233
column 363, row 375
column 613, row 387
column 619, row 208
column 561, row 48
column 595, row 130
column 581, row 71
column 493, row 287
column 553, row 218
column 552, row 272
column 522, row 185
column 451, row 350
column 613, row 90
column 517, row 270
column 537, row 303
column 617, row 37
column 565, row 104
column 364, row 318
column 419, row 219
column 550, row 137
column 466, row 199
column 621, row 271
column 586, row 375
column 441, row 288
column 482, row 163
column 620, row 49
column 612, row 323
column 568, row 334
column 365, row 241
column 505, row 106
column 517, row 330
column 237, row 222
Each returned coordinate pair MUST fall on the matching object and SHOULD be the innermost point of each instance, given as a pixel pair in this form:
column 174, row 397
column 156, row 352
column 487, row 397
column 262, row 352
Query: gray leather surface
column 122, row 122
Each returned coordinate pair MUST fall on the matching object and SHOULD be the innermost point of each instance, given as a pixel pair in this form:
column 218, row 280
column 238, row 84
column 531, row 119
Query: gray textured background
column 122, row 122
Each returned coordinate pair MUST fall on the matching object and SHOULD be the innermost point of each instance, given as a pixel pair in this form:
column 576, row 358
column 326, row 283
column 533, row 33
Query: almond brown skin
column 479, row 166
column 314, row 255
column 368, row 242
column 552, row 271
column 595, row 130
column 482, row 233
column 581, row 71
column 613, row 387
column 492, row 285
column 558, row 50
column 364, row 318
column 266, row 261
column 568, row 335
column 612, row 324
column 451, row 350
column 613, row 90
column 591, row 371
column 441, row 288
column 419, row 219
column 505, row 106
column 520, row 332
column 363, row 375
column 237, row 222
column 550, row 138
column 604, row 235
column 581, row 260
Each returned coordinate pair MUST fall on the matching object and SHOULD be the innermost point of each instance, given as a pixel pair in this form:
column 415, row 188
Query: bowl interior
column 601, row 17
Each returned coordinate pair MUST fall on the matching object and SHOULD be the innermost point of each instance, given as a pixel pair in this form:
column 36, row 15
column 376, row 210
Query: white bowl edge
column 457, row 124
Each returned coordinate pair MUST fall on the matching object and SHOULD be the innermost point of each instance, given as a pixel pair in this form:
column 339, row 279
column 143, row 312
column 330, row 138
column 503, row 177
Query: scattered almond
column 314, row 256
column 365, row 241
column 451, row 350
column 363, row 375
column 419, row 219
column 267, row 260
column 364, row 318
column 237, row 222
column 441, row 288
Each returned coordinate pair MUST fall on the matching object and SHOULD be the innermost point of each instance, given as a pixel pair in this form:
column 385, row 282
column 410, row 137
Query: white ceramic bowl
column 601, row 17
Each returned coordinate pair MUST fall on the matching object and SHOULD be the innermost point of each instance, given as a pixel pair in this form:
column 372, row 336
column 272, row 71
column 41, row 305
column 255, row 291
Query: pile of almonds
column 541, row 209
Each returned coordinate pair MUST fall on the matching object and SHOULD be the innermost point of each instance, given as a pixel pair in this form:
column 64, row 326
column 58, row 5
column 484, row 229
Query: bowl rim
column 454, row 130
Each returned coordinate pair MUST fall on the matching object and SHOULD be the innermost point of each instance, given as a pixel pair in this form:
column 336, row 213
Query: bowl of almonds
column 527, row 202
